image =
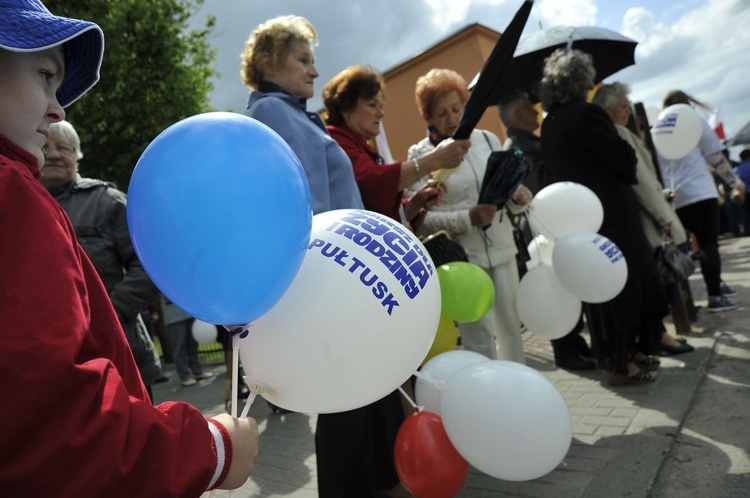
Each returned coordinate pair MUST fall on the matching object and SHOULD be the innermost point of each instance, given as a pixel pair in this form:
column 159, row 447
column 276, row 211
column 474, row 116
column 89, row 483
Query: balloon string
column 248, row 403
column 429, row 379
column 235, row 371
column 411, row 401
column 671, row 175
column 529, row 214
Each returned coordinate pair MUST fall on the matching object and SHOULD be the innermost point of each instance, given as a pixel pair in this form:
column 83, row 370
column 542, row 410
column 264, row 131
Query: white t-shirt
column 690, row 176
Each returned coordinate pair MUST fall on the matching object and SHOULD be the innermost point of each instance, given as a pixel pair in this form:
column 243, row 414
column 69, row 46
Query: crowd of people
column 66, row 241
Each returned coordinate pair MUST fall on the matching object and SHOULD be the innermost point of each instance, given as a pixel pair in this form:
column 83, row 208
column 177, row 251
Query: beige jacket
column 656, row 212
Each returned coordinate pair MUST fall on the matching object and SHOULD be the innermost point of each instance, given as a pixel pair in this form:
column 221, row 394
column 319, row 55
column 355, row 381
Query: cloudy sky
column 699, row 46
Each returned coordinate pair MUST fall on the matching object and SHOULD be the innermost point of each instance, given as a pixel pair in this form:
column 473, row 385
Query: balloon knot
column 242, row 331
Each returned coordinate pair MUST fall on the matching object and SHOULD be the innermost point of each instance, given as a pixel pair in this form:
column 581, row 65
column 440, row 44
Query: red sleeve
column 378, row 183
column 75, row 419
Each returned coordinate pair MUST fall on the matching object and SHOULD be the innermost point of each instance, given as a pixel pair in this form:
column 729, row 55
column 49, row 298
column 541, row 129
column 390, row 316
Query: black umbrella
column 610, row 50
column 493, row 72
column 506, row 169
column 741, row 138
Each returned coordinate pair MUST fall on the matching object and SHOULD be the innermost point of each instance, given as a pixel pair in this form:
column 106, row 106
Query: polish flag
column 717, row 123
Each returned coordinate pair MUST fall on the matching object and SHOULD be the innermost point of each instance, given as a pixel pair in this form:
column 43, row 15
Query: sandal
column 649, row 363
column 640, row 377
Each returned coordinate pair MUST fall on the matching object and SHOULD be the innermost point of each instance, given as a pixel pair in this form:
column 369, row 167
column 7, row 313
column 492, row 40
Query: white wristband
column 221, row 457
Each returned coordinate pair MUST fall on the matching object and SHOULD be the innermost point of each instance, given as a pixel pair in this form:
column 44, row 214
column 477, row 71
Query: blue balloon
column 220, row 216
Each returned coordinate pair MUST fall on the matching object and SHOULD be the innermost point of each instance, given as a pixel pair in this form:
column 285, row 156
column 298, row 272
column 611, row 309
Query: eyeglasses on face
column 61, row 149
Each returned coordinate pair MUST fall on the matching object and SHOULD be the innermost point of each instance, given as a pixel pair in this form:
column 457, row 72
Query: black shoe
column 717, row 304
column 576, row 363
column 161, row 379
column 727, row 291
column 673, row 350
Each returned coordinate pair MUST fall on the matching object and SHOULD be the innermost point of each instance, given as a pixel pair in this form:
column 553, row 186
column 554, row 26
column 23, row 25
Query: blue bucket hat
column 27, row 26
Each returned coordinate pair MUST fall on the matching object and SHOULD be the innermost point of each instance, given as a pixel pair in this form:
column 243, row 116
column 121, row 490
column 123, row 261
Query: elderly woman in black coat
column 580, row 144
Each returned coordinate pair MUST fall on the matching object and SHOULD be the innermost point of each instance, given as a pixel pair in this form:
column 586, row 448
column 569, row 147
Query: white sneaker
column 204, row 375
column 189, row 382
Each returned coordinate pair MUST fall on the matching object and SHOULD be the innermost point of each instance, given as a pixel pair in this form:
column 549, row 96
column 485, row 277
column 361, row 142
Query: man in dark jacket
column 98, row 212
column 521, row 120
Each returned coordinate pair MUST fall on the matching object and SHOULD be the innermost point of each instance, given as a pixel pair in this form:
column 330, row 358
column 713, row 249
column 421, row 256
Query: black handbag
column 443, row 249
column 674, row 264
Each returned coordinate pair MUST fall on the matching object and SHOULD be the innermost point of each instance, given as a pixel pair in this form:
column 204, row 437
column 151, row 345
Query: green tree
column 155, row 72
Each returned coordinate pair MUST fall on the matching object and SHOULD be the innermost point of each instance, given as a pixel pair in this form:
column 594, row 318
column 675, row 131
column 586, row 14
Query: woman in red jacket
column 355, row 449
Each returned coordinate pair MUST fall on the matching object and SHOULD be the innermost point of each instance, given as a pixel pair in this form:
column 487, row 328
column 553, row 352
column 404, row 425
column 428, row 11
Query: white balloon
column 506, row 419
column 565, row 207
column 540, row 251
column 204, row 333
column 590, row 266
column 677, row 131
column 439, row 369
column 544, row 305
column 356, row 322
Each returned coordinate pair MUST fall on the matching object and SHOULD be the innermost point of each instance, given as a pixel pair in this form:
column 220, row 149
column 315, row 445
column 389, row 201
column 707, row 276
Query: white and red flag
column 717, row 123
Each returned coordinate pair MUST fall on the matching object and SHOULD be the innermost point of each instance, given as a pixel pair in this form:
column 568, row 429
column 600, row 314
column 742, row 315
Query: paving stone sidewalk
column 622, row 436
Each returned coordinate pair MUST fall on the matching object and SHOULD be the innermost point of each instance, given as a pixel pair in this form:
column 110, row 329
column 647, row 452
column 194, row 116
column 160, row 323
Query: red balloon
column 426, row 461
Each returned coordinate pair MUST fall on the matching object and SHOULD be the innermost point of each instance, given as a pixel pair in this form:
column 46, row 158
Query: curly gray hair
column 568, row 76
column 607, row 96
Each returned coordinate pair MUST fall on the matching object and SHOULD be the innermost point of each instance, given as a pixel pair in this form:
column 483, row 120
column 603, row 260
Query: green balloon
column 467, row 291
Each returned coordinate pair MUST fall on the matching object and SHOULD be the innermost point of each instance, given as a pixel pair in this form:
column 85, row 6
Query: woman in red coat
column 355, row 449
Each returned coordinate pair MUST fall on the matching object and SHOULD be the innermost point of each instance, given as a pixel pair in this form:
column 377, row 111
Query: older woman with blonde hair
column 278, row 66
column 441, row 96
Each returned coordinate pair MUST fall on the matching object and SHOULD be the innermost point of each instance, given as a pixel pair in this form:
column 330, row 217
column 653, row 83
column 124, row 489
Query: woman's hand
column 522, row 195
column 482, row 215
column 447, row 155
column 427, row 196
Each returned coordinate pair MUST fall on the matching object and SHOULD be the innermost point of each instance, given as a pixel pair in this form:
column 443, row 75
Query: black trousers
column 702, row 220
column 354, row 449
